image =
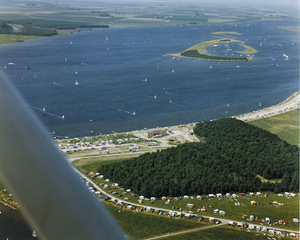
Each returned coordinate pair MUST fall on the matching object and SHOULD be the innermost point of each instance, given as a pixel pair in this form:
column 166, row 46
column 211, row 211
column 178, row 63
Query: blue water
column 13, row 225
column 112, row 66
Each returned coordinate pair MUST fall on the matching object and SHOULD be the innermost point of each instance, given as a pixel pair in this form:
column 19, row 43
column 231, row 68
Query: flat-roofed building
column 158, row 132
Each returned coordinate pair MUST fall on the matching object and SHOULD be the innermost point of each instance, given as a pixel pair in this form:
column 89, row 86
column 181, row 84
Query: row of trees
column 229, row 161
column 196, row 54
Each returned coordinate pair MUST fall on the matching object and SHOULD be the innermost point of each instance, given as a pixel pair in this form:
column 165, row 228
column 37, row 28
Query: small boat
column 76, row 83
column 71, row 43
column 237, row 66
column 76, row 72
column 155, row 97
column 259, row 104
column 170, row 101
column 173, row 71
column 210, row 67
column 133, row 113
column 34, row 234
column 66, row 59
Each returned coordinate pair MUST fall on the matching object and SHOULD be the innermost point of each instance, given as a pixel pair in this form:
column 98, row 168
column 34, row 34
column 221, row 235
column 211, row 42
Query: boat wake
column 45, row 112
column 132, row 113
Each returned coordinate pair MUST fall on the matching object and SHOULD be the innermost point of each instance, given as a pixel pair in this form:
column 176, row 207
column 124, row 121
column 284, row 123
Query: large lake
column 112, row 66
column 121, row 71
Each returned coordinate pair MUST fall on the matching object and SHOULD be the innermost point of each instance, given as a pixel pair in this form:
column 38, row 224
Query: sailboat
column 133, row 113
column 34, row 234
column 76, row 83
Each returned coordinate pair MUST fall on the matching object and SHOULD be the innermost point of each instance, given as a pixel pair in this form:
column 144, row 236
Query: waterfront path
column 292, row 103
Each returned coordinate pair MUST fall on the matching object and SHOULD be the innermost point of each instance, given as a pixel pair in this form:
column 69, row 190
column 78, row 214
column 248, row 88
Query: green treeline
column 30, row 29
column 74, row 26
column 229, row 161
column 196, row 54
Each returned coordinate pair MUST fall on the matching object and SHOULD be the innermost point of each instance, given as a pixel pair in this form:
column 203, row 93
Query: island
column 198, row 51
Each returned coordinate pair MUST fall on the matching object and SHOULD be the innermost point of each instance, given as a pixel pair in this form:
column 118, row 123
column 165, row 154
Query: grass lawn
column 141, row 225
column 285, row 125
column 92, row 164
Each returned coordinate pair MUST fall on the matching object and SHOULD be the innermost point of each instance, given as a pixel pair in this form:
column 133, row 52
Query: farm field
column 70, row 17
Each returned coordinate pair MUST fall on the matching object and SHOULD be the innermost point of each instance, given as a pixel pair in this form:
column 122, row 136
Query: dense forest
column 196, row 54
column 229, row 161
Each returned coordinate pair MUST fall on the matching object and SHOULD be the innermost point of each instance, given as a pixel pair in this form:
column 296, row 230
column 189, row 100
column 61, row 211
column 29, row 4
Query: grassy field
column 9, row 38
column 143, row 225
column 285, row 125
column 220, row 233
column 92, row 164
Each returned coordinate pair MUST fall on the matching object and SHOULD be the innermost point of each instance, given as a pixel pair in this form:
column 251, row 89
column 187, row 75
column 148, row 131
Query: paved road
column 223, row 220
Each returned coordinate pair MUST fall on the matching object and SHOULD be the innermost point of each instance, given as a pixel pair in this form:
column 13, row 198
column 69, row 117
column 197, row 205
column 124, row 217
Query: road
column 223, row 220
column 185, row 231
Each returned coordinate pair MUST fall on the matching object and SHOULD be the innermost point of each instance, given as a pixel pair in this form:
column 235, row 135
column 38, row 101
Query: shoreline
column 291, row 103
column 288, row 103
